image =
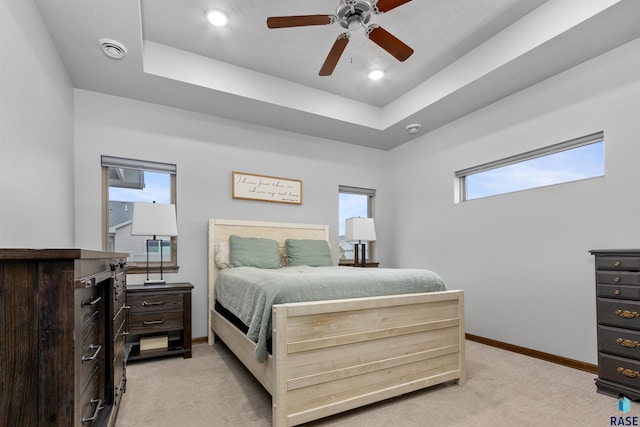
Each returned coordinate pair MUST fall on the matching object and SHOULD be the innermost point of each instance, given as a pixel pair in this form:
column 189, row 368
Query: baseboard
column 571, row 363
column 200, row 340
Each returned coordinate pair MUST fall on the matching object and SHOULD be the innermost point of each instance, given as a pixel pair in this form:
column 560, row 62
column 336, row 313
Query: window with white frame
column 126, row 181
column 353, row 202
column 573, row 160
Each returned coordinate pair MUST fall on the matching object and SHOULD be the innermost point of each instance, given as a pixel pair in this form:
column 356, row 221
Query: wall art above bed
column 266, row 188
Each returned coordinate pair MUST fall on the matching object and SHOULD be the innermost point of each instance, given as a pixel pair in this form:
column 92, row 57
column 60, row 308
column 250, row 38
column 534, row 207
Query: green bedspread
column 249, row 292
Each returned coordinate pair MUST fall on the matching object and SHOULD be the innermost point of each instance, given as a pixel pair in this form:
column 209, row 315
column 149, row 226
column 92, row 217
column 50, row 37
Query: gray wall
column 206, row 150
column 36, row 134
column 522, row 258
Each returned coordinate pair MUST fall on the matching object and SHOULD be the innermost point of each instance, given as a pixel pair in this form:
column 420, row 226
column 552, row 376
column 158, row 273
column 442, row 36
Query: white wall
column 206, row 150
column 523, row 258
column 36, row 134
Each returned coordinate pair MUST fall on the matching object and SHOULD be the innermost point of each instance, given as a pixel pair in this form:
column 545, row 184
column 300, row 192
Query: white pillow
column 221, row 255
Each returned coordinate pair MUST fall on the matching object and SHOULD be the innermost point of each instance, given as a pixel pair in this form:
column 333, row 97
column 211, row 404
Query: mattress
column 249, row 292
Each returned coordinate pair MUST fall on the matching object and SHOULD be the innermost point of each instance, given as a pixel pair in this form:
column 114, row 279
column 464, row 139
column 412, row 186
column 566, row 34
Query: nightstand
column 159, row 320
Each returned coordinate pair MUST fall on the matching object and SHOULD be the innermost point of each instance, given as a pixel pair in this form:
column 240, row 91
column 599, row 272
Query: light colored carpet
column 502, row 389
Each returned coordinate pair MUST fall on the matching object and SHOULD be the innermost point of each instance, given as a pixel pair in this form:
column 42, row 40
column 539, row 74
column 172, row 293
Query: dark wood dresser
column 618, row 314
column 63, row 329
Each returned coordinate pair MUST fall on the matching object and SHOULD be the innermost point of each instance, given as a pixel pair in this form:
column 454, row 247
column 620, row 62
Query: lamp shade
column 154, row 219
column 359, row 230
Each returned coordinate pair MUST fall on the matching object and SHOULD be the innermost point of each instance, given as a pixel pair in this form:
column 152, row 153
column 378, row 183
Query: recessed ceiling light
column 217, row 18
column 376, row 74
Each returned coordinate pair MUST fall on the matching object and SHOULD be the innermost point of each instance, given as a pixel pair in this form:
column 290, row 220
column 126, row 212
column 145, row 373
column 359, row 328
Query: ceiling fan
column 351, row 15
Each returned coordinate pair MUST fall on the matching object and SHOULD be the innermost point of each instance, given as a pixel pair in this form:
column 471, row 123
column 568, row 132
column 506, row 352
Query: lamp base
column 154, row 282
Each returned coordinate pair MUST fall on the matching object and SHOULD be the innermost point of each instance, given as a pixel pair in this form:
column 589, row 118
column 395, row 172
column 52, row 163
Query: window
column 126, row 181
column 569, row 161
column 353, row 202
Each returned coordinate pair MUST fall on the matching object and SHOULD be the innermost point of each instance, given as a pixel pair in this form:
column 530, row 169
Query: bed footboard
column 332, row 356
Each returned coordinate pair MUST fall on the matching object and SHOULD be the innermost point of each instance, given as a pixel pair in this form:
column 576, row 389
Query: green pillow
column 315, row 253
column 253, row 252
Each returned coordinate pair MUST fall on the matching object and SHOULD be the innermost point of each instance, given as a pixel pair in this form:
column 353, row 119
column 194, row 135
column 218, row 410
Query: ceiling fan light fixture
column 376, row 74
column 216, row 18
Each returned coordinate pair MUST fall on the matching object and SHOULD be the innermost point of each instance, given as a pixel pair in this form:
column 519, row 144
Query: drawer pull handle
column 627, row 314
column 99, row 407
column 616, row 279
column 153, row 322
column 147, row 304
column 628, row 372
column 97, row 348
column 617, row 292
column 628, row 343
column 90, row 301
column 617, row 264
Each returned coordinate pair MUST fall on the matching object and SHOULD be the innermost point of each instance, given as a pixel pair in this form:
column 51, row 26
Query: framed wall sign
column 266, row 188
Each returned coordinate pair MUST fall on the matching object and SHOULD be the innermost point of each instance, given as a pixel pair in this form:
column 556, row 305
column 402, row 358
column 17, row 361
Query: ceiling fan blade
column 334, row 55
column 387, row 5
column 390, row 43
column 298, row 21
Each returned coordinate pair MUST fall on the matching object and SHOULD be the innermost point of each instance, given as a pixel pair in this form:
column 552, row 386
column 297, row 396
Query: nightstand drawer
column 620, row 292
column 144, row 323
column 624, row 314
column 154, row 302
column 619, row 369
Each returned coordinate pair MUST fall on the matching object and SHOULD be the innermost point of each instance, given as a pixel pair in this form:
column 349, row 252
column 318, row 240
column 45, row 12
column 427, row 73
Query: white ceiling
column 468, row 54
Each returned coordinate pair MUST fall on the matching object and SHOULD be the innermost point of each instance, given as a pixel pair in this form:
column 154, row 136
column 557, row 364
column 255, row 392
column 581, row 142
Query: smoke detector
column 414, row 128
column 113, row 49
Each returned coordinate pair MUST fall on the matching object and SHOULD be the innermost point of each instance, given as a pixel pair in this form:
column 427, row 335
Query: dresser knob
column 617, row 264
column 617, row 292
column 617, row 279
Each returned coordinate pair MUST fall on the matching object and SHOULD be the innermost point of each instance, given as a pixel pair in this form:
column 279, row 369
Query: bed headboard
column 221, row 229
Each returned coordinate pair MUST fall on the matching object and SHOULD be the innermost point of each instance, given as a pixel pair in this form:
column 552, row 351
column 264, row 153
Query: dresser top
column 27, row 254
column 615, row 251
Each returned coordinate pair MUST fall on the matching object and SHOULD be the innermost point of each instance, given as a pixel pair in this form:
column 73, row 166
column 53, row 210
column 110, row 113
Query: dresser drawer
column 144, row 323
column 118, row 303
column 88, row 334
column 89, row 363
column 120, row 328
column 153, row 303
column 618, row 262
column 624, row 314
column 619, row 370
column 90, row 403
column 620, row 292
column 618, row 277
column 621, row 342
column 88, row 304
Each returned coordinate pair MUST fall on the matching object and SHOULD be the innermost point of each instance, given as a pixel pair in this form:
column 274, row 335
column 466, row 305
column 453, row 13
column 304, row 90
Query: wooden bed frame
column 333, row 356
